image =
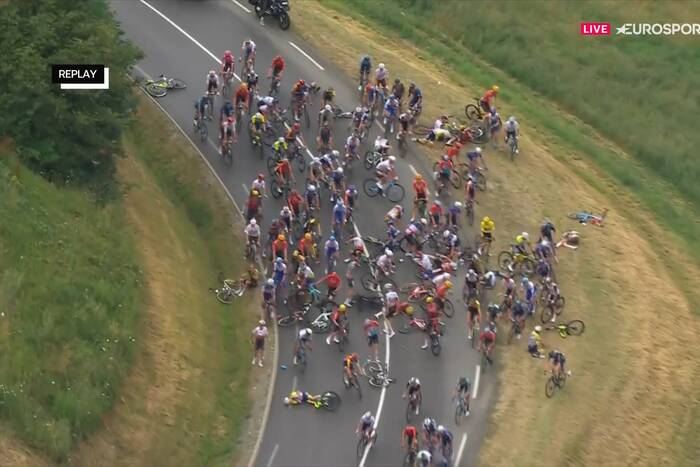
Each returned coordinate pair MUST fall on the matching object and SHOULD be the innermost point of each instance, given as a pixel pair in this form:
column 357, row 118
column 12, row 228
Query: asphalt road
column 183, row 39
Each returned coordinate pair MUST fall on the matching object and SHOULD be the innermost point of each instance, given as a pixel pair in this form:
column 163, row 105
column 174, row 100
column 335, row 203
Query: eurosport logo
column 640, row 29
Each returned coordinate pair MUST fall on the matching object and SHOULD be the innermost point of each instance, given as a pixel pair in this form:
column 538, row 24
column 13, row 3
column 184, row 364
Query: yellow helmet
column 296, row 253
column 495, row 88
column 280, row 237
column 429, row 300
column 487, row 219
column 302, row 258
column 244, row 86
column 448, row 284
column 409, row 310
column 255, row 193
column 419, row 177
column 312, row 220
column 295, row 393
column 341, row 308
column 307, row 236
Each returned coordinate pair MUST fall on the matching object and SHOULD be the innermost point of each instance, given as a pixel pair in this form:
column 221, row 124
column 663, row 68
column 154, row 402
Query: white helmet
column 458, row 204
column 446, row 233
column 381, row 66
column 328, row 107
column 253, row 222
column 270, row 281
column 311, row 188
column 389, row 253
column 511, row 118
column 388, row 286
column 339, row 170
column 437, row 202
column 478, row 149
column 392, row 159
column 335, row 153
column 367, row 415
column 358, row 109
column 441, row 428
column 212, row 72
column 526, row 236
column 538, row 328
column 424, row 221
column 281, row 139
column 286, row 401
column 261, row 322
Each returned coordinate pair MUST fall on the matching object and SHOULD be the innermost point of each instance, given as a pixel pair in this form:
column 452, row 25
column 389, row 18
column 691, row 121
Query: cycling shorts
column 372, row 338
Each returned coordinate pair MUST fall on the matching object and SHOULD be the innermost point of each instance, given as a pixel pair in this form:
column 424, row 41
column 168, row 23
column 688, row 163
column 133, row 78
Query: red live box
column 595, row 29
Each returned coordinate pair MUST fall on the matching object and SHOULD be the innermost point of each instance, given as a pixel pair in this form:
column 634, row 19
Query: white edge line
column 294, row 383
column 243, row 7
column 387, row 358
column 274, row 453
column 413, row 169
column 476, row 381
column 460, row 451
column 306, row 55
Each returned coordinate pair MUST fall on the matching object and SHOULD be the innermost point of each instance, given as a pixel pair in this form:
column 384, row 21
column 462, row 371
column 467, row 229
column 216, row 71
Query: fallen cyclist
column 297, row 397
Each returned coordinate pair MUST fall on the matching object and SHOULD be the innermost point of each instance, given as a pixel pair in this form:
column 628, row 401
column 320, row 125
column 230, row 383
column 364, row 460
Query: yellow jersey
column 488, row 227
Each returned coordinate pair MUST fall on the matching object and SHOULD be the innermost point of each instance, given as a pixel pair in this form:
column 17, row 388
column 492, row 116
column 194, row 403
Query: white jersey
column 424, row 457
column 438, row 124
column 441, row 278
column 260, row 332
column 384, row 262
column 412, row 229
column 394, row 213
column 490, row 278
column 380, row 143
column 512, row 126
column 391, row 298
column 267, row 100
column 358, row 244
column 304, row 335
column 252, row 230
column 425, row 262
column 250, row 48
column 258, row 185
column 381, row 73
column 385, row 166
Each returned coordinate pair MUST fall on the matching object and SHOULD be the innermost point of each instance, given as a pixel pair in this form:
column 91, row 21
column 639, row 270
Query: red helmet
column 228, row 53
column 230, row 119
column 261, row 176
column 296, row 126
column 302, row 82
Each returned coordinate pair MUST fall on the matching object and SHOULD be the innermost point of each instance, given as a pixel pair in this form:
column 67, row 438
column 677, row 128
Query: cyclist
column 338, row 183
column 404, row 121
column 431, row 310
column 487, row 339
column 385, row 263
column 420, row 188
column 279, row 272
column 398, row 90
column 489, row 98
column 391, row 110
column 299, row 93
column 518, row 312
column 463, row 391
column 351, row 362
column 413, row 387
column 454, row 215
column 248, row 53
column 547, row 230
column 212, row 84
column 473, row 315
column 276, row 68
column 294, row 202
column 328, row 96
column 257, row 124
column 413, row 229
column 350, row 198
column 494, row 312
column 409, row 438
column 333, row 282
column 474, row 157
column 324, row 141
column 381, row 74
column 284, row 173
column 436, row 212
column 530, row 294
column 423, row 458
column 493, row 121
column 416, row 102
column 358, row 121
column 365, row 427
column 365, row 67
column 371, row 327
column 393, row 215
column 302, row 343
column 429, row 432
column 228, row 62
column 471, row 285
column 279, row 247
column 325, row 115
column 269, row 294
column 200, row 109
column 445, row 438
column 227, row 134
column 253, row 205
column 297, row 397
column 470, row 192
column 252, row 232
column 280, row 148
column 534, row 343
column 251, row 80
column 227, row 110
column 556, row 361
column 385, row 172
column 338, row 322
column 293, row 134
column 306, row 244
column 512, row 131
column 241, row 97
column 392, row 304
column 331, row 249
column 286, row 218
column 488, row 229
column 371, row 97
column 441, row 293
column 352, row 146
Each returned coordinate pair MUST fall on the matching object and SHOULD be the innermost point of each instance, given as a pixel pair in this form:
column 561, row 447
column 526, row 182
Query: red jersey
column 241, row 95
column 283, row 167
column 279, row 246
column 278, row 63
column 333, row 280
column 304, row 246
column 253, row 203
column 410, row 431
column 420, row 186
column 487, row 337
column 489, row 95
column 228, row 59
column 435, row 209
column 442, row 291
column 454, row 151
column 431, row 309
column 295, row 201
column 371, row 324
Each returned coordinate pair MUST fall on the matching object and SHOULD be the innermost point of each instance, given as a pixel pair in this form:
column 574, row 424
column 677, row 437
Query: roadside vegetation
column 630, row 281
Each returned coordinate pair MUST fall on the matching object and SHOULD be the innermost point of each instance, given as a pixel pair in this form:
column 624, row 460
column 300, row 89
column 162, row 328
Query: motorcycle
column 278, row 9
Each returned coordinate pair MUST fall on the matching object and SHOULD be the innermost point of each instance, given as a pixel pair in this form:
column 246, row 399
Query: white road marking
column 413, row 169
column 476, row 381
column 462, row 444
column 294, row 383
column 140, row 70
column 272, row 456
column 243, row 7
column 307, row 56
column 245, row 188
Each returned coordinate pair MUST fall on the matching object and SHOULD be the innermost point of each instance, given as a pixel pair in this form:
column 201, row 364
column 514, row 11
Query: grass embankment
column 70, row 301
column 634, row 397
column 619, row 87
column 186, row 396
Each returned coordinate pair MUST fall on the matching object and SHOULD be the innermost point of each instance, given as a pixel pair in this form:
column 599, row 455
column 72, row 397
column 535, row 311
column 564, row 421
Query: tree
column 69, row 136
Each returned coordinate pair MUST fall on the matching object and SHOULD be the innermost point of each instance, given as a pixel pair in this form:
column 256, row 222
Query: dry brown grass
column 634, row 389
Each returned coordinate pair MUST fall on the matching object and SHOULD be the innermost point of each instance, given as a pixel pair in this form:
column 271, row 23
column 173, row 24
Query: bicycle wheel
column 361, row 443
column 156, row 90
column 285, row 321
column 549, row 387
column 547, row 313
column 330, row 400
column 235, row 286
column 377, row 381
column 455, row 180
column 276, row 189
column 174, row 83
column 408, row 288
column 435, row 347
column 559, row 304
column 527, row 267
column 459, row 413
column 372, row 367
column 368, row 282
column 472, row 112
column 449, row 308
column 300, row 162
column 284, row 20
column 395, row 193
column 480, row 181
column 225, row 296
column 575, row 327
column 271, row 164
column 369, row 160
column 370, row 187
column 505, row 261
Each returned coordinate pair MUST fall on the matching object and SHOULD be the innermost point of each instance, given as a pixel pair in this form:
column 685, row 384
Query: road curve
column 182, row 39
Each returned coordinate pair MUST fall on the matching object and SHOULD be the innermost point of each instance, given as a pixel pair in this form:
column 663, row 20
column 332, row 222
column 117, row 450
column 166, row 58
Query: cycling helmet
column 352, row 188
column 340, row 171
column 389, row 253
column 446, row 233
column 342, row 307
column 381, row 66
column 511, row 118
column 335, row 153
column 429, row 300
column 261, row 176
column 448, row 284
column 286, row 401
column 255, row 193
column 280, row 139
column 328, row 107
column 230, row 119
column 419, row 177
column 525, row 235
column 354, row 356
column 414, row 381
column 494, row 308
column 388, row 286
column 524, row 281
column 471, row 274
column 301, row 259
column 270, row 282
column 409, row 310
column 212, row 72
column 495, row 88
column 538, row 328
column 309, row 331
column 227, row 53
column 280, row 237
column 253, row 222
column 392, row 159
column 463, row 381
column 261, row 322
column 437, row 202
column 307, row 236
column 367, row 415
column 301, row 82
column 424, row 221
column 331, row 238
column 429, row 424
column 296, row 126
column 487, row 329
column 458, row 204
column 311, row 188
column 445, row 157
column 440, row 428
column 548, row 280
column 478, row 150
column 486, row 219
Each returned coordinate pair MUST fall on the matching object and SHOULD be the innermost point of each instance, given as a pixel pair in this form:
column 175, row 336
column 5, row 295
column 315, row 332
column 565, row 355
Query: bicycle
column 251, row 250
column 394, row 190
column 517, row 263
column 478, row 177
column 455, row 178
column 469, row 211
column 476, row 326
column 200, row 128
column 378, row 376
column 413, row 405
column 401, row 143
column 364, row 441
column 227, row 79
column 274, row 85
column 555, row 381
column 574, row 327
column 460, row 409
column 515, row 330
column 409, row 459
column 486, row 358
column 371, row 284
column 226, row 154
column 354, row 381
column 280, row 190
column 161, row 85
column 293, row 317
column 322, row 323
column 373, row 158
column 552, row 307
column 584, row 217
column 301, row 358
column 230, row 290
column 512, row 142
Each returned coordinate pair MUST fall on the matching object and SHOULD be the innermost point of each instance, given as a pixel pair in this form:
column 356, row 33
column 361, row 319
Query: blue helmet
column 331, row 238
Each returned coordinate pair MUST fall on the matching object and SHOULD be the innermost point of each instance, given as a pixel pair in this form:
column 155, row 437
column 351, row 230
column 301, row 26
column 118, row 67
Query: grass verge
column 627, row 282
column 70, row 301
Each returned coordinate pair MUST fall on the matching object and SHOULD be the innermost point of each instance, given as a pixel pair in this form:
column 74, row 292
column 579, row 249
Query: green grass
column 530, row 61
column 71, row 297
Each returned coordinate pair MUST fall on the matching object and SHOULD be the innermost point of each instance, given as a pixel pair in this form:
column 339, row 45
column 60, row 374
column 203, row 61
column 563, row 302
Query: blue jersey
column 391, row 107
column 339, row 213
column 473, row 155
column 227, row 109
column 530, row 291
column 331, row 247
column 417, row 94
column 200, row 103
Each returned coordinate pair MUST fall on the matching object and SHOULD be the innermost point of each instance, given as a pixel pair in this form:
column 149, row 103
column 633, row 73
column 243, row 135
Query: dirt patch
column 635, row 377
